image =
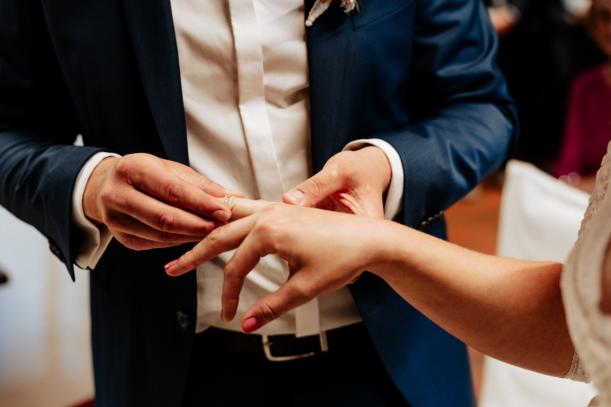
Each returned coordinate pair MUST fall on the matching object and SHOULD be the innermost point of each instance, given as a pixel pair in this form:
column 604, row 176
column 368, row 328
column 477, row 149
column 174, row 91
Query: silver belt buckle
column 267, row 349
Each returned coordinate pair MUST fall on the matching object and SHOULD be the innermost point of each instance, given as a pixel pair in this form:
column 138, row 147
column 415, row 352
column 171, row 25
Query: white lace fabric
column 581, row 291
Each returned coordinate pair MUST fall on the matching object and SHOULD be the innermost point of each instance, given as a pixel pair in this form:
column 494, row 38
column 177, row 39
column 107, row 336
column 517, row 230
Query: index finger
column 289, row 296
column 241, row 207
column 172, row 189
column 200, row 181
column 220, row 240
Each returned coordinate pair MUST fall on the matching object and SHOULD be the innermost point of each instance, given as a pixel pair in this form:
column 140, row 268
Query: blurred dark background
column 544, row 46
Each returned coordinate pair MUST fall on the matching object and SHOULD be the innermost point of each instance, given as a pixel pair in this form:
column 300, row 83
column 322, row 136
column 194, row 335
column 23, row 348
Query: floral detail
column 320, row 6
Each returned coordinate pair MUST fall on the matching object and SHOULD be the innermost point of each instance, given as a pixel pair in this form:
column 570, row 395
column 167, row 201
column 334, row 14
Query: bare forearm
column 509, row 309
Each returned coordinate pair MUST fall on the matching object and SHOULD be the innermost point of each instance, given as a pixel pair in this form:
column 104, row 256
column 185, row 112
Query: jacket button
column 3, row 277
column 183, row 320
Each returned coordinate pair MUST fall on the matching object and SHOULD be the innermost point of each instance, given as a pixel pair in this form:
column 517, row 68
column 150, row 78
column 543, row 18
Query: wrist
column 383, row 168
column 91, row 209
column 387, row 249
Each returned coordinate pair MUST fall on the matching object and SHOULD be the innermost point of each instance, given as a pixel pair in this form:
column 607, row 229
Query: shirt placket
column 257, row 128
column 251, row 99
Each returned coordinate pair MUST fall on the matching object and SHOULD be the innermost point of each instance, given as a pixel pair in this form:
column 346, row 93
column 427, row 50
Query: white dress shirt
column 244, row 77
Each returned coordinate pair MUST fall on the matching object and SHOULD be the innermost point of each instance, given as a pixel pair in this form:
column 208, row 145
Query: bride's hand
column 324, row 250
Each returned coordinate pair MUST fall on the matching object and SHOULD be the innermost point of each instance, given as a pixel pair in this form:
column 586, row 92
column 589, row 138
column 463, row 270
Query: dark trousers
column 346, row 375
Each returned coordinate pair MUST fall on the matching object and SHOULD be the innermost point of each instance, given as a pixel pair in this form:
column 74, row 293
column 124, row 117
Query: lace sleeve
column 576, row 371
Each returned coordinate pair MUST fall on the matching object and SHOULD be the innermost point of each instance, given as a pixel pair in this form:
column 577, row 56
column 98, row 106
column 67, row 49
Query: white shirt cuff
column 95, row 239
column 394, row 195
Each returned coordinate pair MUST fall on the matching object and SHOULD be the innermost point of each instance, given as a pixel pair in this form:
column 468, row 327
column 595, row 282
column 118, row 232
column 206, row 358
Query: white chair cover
column 539, row 220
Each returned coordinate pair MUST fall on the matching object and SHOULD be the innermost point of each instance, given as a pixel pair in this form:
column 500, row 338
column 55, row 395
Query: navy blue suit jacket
column 419, row 74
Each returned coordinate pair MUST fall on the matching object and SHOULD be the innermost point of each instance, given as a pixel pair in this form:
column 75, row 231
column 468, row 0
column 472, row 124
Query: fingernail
column 170, row 265
column 221, row 215
column 296, row 196
column 251, row 324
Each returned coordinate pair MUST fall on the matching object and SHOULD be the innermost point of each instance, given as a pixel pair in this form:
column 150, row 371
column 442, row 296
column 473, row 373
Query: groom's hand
column 351, row 181
column 148, row 202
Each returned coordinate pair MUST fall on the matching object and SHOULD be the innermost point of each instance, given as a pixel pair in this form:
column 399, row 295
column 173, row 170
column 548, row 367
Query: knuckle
column 165, row 237
column 270, row 228
column 114, row 198
column 270, row 212
column 268, row 312
column 205, row 182
column 173, row 192
column 214, row 238
column 269, row 209
column 127, row 204
column 206, row 228
column 275, row 207
column 206, row 203
column 299, row 289
column 165, row 222
column 107, row 196
column 231, row 272
column 264, row 228
column 111, row 219
column 303, row 292
column 125, row 167
column 130, row 242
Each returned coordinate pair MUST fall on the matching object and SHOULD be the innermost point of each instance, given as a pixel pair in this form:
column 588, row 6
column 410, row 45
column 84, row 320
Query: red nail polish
column 251, row 324
column 170, row 264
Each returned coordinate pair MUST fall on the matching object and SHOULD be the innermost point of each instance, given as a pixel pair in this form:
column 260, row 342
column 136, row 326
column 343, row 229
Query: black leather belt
column 283, row 348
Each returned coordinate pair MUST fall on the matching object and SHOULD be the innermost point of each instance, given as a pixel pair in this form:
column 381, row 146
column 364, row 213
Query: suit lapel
column 154, row 41
column 327, row 54
column 152, row 32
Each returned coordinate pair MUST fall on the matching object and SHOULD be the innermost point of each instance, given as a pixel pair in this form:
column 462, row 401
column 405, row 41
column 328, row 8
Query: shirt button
column 183, row 320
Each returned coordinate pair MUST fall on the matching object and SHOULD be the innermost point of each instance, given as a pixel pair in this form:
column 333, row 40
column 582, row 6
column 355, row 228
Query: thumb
column 315, row 189
column 274, row 305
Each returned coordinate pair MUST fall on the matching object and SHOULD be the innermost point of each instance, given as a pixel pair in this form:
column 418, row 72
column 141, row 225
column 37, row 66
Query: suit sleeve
column 38, row 125
column 465, row 120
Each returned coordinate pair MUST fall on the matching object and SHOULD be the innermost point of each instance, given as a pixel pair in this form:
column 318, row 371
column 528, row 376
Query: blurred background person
column 588, row 121
column 544, row 46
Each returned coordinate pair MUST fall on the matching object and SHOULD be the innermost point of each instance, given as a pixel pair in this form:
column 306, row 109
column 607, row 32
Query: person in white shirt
column 394, row 108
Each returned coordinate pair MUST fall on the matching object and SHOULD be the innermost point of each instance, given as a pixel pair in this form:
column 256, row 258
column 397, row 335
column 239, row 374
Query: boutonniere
column 320, row 6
